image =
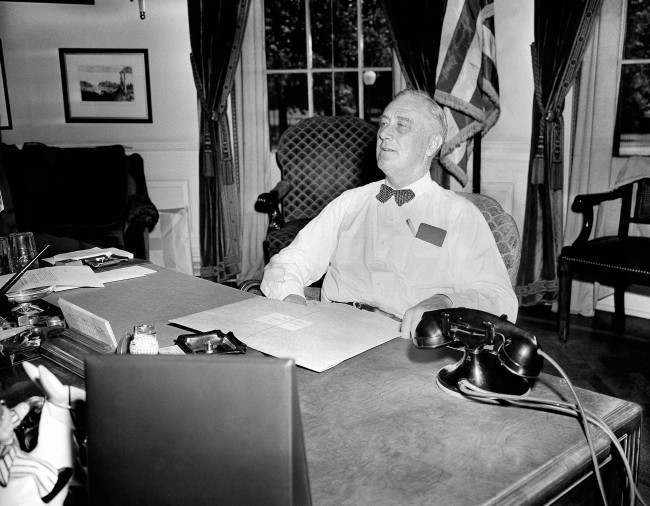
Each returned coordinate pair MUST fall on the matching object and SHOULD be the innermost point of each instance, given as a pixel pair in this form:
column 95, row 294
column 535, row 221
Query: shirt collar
column 423, row 185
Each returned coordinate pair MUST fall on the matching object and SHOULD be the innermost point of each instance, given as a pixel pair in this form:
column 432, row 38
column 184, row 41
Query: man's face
column 405, row 140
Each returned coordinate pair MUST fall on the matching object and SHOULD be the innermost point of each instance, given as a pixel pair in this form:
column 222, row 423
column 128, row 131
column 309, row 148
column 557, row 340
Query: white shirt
column 370, row 254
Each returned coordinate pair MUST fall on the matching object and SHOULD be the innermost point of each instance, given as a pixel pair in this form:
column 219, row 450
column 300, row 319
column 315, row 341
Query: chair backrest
column 321, row 157
column 637, row 193
column 504, row 229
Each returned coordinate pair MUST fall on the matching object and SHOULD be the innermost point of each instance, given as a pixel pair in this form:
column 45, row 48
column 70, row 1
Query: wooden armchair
column 620, row 260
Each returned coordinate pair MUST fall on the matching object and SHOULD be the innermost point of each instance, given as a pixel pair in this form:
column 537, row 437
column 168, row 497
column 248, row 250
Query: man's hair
column 432, row 107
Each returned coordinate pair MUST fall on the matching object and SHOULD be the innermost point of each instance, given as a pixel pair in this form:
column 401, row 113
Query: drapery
column 216, row 32
column 446, row 47
column 561, row 34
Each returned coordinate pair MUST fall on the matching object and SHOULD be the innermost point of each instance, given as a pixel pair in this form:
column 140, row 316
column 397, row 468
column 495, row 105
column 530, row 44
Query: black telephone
column 498, row 356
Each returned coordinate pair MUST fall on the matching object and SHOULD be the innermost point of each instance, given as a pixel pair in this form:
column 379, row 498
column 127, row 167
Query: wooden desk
column 379, row 431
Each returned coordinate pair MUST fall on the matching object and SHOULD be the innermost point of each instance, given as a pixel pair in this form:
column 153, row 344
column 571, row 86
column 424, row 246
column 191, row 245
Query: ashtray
column 29, row 294
column 212, row 342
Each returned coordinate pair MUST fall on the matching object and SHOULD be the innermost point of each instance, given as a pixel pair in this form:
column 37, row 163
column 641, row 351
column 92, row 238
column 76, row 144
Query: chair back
column 323, row 156
column 504, row 229
column 637, row 193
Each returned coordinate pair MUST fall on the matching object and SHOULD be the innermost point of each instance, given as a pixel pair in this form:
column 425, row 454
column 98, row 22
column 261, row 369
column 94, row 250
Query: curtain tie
column 401, row 196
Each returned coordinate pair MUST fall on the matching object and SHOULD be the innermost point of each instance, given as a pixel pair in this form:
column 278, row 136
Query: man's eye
column 402, row 126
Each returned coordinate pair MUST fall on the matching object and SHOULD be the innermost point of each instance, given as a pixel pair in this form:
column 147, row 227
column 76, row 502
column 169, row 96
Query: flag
column 467, row 85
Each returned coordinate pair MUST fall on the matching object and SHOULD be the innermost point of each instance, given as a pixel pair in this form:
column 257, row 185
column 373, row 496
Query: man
column 403, row 245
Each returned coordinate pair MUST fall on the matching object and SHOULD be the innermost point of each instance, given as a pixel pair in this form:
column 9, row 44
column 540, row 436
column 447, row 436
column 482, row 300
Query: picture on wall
column 105, row 85
column 5, row 112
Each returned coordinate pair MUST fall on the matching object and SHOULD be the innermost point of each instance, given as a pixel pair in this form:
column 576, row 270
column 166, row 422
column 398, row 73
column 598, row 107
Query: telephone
column 498, row 356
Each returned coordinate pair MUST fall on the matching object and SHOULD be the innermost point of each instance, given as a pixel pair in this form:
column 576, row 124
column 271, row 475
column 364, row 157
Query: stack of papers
column 317, row 336
column 61, row 278
column 86, row 253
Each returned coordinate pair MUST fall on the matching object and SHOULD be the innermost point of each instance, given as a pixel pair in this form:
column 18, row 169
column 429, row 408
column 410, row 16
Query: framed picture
column 106, row 85
column 5, row 112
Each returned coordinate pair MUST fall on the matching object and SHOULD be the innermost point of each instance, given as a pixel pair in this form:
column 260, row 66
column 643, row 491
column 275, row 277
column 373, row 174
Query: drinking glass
column 22, row 248
column 5, row 256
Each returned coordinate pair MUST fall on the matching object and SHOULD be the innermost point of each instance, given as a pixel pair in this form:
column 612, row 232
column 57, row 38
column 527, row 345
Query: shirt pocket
column 426, row 264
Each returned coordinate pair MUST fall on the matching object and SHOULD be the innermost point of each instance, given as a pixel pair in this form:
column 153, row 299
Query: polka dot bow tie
column 401, row 196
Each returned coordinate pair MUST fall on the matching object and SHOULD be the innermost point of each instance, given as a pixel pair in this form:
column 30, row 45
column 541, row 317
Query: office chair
column 319, row 159
column 618, row 260
column 502, row 225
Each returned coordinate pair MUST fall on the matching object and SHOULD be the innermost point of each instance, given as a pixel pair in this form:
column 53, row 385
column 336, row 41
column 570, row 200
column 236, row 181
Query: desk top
column 377, row 428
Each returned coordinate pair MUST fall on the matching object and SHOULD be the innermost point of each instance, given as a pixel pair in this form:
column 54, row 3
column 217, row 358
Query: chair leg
column 619, row 308
column 564, row 300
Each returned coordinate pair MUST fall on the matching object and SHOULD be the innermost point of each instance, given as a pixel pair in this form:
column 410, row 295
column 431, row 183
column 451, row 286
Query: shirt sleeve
column 307, row 258
column 483, row 281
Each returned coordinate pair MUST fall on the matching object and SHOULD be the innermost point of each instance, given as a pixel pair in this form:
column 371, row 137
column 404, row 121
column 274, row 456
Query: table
column 379, row 431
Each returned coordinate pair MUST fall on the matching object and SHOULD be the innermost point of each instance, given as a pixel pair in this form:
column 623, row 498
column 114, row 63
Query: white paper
column 58, row 277
column 316, row 336
column 133, row 271
column 87, row 253
column 88, row 323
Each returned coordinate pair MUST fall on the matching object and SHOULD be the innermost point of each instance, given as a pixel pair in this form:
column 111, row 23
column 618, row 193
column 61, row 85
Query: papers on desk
column 317, row 336
column 60, row 277
column 133, row 271
column 87, row 253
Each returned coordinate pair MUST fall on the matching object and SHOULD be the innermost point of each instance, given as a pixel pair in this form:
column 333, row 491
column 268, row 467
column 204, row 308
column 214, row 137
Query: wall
column 32, row 34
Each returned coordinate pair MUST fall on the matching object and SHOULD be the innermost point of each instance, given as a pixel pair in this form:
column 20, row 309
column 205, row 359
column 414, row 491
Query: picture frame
column 105, row 85
column 5, row 111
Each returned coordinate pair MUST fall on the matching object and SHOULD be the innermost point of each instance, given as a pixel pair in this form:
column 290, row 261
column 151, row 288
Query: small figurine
column 43, row 474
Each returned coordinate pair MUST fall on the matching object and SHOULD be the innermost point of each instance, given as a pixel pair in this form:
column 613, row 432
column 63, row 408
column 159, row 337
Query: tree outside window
column 326, row 57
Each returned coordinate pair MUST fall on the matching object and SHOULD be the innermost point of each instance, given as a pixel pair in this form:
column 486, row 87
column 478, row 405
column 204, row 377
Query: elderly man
column 403, row 245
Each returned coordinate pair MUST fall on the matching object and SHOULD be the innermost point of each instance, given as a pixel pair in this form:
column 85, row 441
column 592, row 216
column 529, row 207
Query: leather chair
column 619, row 260
column 319, row 159
column 502, row 225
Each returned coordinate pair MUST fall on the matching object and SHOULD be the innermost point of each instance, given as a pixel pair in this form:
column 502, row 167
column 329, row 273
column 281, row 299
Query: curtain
column 592, row 169
column 446, row 47
column 560, row 37
column 256, row 151
column 216, row 32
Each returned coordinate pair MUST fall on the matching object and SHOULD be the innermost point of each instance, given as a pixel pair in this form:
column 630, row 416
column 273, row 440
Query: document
column 60, row 277
column 87, row 253
column 88, row 324
column 134, row 271
column 317, row 336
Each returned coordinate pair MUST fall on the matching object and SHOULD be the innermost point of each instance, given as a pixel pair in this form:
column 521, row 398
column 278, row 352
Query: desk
column 379, row 431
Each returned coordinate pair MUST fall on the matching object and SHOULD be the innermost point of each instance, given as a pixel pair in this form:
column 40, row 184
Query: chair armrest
column 585, row 204
column 269, row 203
column 252, row 286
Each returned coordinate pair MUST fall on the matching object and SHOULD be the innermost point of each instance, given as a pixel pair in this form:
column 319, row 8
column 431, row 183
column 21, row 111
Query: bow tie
column 401, row 196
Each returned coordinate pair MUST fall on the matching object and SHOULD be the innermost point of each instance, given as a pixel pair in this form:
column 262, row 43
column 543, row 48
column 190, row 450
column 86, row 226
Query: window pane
column 634, row 104
column 285, row 34
column 346, row 94
column 376, row 94
column 637, row 32
column 376, row 36
column 321, row 32
column 322, row 93
column 344, row 25
column 287, row 102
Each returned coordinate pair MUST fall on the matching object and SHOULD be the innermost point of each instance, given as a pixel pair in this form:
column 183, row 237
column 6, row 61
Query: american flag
column 466, row 79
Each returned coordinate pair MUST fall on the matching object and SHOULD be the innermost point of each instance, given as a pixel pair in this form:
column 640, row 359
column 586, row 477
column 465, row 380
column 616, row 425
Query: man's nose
column 384, row 132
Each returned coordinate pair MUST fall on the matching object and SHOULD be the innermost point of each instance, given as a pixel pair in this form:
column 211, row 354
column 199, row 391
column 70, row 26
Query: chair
column 502, row 225
column 619, row 260
column 319, row 159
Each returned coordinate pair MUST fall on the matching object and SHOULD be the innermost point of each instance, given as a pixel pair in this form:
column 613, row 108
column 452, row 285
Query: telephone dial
column 498, row 356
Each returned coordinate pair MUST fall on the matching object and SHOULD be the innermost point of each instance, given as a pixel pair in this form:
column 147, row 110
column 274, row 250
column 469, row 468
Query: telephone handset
column 498, row 356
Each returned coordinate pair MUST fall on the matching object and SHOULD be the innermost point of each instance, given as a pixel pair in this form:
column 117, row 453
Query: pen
column 410, row 224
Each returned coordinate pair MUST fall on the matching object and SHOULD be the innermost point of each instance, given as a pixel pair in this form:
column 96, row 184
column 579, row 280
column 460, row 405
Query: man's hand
column 413, row 315
column 296, row 299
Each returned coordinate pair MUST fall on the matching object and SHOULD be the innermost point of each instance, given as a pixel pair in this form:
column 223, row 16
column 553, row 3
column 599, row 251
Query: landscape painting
column 106, row 85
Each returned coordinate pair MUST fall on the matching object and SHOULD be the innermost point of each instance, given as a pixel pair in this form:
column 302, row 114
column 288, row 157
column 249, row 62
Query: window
column 326, row 57
column 632, row 133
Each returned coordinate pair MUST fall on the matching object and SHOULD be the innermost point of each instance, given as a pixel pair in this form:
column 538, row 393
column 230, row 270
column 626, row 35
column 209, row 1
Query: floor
column 596, row 358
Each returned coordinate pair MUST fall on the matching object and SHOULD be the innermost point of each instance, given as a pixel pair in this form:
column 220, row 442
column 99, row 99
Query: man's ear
column 434, row 144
